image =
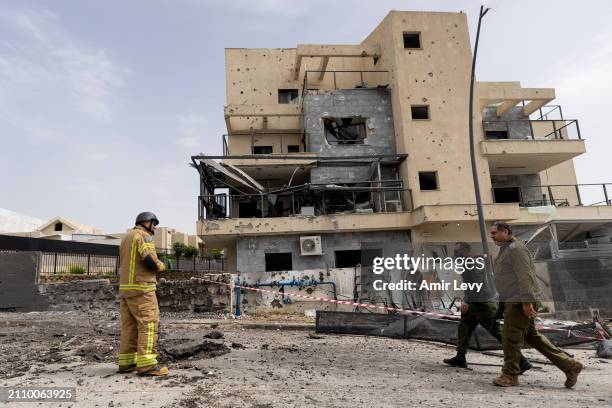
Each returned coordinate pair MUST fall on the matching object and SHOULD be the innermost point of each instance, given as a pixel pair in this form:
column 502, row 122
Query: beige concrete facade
column 436, row 75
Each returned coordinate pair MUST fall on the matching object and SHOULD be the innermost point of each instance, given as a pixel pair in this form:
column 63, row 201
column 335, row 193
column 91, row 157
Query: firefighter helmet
column 146, row 216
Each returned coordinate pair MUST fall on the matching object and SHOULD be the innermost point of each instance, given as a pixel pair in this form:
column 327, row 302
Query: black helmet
column 146, row 216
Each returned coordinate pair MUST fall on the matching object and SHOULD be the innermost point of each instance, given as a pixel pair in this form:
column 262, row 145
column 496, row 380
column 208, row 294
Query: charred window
column 507, row 194
column 279, row 262
column 288, row 96
column 345, row 131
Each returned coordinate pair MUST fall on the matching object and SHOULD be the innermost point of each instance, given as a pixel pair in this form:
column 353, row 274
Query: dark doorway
column 507, row 194
column 248, row 209
column 262, row 149
column 496, row 134
column 279, row 262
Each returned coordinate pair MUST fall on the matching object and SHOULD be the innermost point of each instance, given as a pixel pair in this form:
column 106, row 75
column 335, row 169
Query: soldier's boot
column 572, row 374
column 154, row 371
column 127, row 368
column 457, row 361
column 524, row 365
column 505, row 380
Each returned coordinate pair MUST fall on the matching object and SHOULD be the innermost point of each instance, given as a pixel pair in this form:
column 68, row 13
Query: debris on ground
column 604, row 349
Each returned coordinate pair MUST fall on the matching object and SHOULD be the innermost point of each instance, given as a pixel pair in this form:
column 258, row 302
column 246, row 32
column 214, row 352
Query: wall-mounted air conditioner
column 393, row 206
column 311, row 245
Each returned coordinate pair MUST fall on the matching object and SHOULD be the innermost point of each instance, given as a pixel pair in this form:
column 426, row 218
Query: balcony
column 309, row 199
column 561, row 195
column 525, row 146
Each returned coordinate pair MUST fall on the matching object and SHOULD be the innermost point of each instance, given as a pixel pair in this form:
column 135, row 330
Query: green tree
column 179, row 249
column 190, row 251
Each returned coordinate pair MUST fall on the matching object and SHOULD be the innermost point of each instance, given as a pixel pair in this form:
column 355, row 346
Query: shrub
column 190, row 251
column 77, row 270
column 179, row 249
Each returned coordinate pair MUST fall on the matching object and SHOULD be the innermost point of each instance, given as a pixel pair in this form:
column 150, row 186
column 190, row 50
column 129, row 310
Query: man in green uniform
column 477, row 307
column 515, row 280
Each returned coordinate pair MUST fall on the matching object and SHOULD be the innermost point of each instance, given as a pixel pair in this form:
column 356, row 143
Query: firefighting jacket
column 138, row 263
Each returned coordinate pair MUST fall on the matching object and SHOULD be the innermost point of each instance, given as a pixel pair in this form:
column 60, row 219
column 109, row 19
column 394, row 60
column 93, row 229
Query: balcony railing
column 309, row 199
column 524, row 129
column 559, row 195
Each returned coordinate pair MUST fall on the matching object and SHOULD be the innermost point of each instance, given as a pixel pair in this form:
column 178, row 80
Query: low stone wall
column 190, row 295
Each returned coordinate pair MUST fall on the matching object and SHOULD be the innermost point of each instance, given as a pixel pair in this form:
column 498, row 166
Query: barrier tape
column 391, row 309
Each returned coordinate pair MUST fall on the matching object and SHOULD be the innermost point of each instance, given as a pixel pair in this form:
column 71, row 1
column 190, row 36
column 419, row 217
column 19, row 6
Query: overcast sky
column 103, row 102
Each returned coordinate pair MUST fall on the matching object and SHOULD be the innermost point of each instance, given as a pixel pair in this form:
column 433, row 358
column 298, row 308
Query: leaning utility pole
column 479, row 209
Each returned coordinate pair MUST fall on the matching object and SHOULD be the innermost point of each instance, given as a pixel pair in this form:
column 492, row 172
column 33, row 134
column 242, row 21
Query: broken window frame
column 337, row 133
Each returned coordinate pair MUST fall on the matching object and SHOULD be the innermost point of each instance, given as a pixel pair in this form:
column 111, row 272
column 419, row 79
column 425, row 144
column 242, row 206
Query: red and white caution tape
column 391, row 309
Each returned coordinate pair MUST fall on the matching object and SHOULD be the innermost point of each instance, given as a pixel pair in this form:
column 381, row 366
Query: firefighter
column 138, row 302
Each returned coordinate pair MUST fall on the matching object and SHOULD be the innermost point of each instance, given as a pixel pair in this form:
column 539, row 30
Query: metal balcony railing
column 559, row 195
column 318, row 198
column 525, row 129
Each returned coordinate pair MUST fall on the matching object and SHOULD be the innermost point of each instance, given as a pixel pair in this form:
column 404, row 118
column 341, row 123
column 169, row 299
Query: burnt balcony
column 310, row 199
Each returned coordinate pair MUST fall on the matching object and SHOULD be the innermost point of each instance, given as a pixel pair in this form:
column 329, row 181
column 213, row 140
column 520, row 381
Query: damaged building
column 337, row 154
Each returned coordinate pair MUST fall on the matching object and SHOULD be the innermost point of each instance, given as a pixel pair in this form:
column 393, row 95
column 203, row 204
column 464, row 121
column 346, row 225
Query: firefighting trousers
column 139, row 329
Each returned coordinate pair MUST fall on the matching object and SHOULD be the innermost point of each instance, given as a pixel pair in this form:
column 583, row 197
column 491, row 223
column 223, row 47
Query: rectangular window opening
column 348, row 258
column 288, row 96
column 412, row 40
column 428, row 180
column 262, row 149
column 345, row 131
column 419, row 112
column 279, row 262
column 293, row 148
column 507, row 194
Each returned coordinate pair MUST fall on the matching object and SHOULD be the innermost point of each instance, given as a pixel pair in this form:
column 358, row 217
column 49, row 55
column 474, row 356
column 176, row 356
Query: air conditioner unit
column 311, row 245
column 393, row 206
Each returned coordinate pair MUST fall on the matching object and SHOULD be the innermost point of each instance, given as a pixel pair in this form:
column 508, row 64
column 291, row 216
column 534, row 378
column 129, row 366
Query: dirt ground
column 268, row 363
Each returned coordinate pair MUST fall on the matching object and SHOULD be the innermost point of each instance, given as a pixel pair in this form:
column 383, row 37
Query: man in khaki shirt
column 139, row 310
column 515, row 280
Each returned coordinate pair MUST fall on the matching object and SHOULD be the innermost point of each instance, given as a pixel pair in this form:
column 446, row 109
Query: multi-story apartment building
column 336, row 154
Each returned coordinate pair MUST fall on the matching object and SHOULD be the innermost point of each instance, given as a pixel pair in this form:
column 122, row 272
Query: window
column 248, row 209
column 293, row 148
column 348, row 258
column 428, row 180
column 507, row 194
column 262, row 149
column 279, row 262
column 59, row 226
column 345, row 131
column 419, row 112
column 288, row 96
column 496, row 134
column 412, row 40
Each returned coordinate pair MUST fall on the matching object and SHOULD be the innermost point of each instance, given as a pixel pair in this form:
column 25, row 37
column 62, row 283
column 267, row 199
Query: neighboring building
column 336, row 154
column 11, row 221
column 166, row 237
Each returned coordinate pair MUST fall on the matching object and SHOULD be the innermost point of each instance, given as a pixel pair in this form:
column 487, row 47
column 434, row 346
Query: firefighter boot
column 153, row 371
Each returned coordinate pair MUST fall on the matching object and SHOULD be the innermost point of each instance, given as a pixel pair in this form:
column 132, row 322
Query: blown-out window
column 346, row 131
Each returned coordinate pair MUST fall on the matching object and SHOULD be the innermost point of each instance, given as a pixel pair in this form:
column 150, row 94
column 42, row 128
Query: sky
column 102, row 103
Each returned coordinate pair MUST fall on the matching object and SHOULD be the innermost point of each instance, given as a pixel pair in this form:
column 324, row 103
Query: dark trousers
column 482, row 313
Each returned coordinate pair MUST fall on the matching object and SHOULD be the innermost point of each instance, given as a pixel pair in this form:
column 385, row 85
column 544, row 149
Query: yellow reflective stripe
column 144, row 287
column 150, row 336
column 146, row 246
column 146, row 360
column 132, row 260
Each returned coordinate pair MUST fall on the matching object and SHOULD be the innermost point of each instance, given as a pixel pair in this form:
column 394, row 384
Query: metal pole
column 481, row 220
column 606, row 194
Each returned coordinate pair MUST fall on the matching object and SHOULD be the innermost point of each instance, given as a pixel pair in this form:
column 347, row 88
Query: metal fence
column 55, row 263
